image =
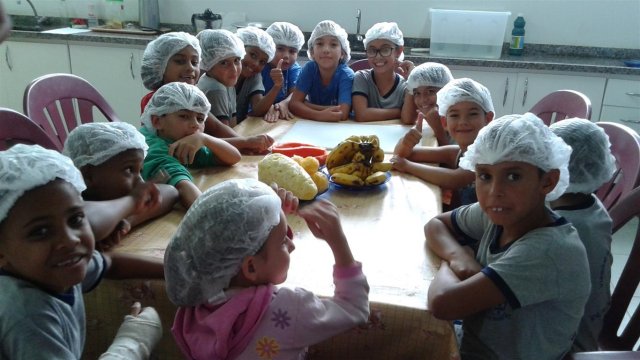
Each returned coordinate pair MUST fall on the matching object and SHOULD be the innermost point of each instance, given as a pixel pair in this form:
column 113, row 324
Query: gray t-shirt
column 250, row 87
column 35, row 324
column 544, row 277
column 364, row 83
column 222, row 98
column 594, row 227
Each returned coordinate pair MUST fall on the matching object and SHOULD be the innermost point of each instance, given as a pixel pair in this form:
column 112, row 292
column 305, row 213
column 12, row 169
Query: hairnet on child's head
column 228, row 222
column 287, row 34
column 94, row 143
column 385, row 31
column 173, row 97
column 464, row 89
column 24, row 167
column 591, row 163
column 523, row 138
column 429, row 74
column 252, row 36
column 159, row 51
column 218, row 45
column 329, row 28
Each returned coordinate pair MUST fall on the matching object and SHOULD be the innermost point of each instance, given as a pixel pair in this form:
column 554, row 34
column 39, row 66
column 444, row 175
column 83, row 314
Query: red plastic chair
column 16, row 128
column 625, row 147
column 562, row 104
column 361, row 64
column 60, row 102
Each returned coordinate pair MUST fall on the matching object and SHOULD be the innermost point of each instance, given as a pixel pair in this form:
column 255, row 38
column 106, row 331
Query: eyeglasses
column 384, row 52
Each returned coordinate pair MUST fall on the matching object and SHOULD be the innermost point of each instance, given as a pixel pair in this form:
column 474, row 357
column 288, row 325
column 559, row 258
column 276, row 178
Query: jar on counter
column 114, row 10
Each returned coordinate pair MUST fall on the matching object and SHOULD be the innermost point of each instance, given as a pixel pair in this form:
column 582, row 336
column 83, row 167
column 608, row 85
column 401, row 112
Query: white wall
column 600, row 23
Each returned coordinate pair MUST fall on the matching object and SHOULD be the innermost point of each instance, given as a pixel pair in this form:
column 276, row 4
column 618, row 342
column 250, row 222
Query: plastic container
column 115, row 14
column 92, row 16
column 517, row 36
column 468, row 34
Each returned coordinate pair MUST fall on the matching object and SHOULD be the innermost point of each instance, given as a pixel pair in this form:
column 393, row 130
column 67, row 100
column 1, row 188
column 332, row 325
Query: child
column 528, row 273
column 177, row 111
column 47, row 259
column 465, row 107
column 289, row 40
column 223, row 263
column 175, row 56
column 222, row 52
column 323, row 90
column 250, row 94
column 380, row 93
column 110, row 157
column 590, row 166
column 423, row 84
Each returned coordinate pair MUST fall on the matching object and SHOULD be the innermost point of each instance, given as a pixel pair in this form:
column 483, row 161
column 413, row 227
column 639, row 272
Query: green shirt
column 158, row 159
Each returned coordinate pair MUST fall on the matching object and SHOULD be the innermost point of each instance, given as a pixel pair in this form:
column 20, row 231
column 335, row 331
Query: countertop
column 536, row 57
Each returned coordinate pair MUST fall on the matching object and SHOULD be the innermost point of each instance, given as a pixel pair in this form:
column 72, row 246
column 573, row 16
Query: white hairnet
column 522, row 138
column 228, row 222
column 287, row 34
column 329, row 28
column 24, row 167
column 218, row 45
column 429, row 74
column 464, row 89
column 159, row 51
column 253, row 36
column 385, row 31
column 592, row 163
column 173, row 97
column 95, row 143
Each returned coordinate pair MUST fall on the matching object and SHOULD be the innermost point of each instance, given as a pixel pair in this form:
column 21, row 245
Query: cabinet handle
column 133, row 76
column 630, row 121
column 6, row 56
column 526, row 90
column 506, row 91
column 633, row 94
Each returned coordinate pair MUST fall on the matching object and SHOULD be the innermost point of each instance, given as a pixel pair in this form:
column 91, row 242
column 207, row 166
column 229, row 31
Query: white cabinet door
column 115, row 72
column 21, row 62
column 501, row 85
column 533, row 87
column 629, row 116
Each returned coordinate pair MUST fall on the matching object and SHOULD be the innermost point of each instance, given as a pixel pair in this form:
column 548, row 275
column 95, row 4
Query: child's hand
column 276, row 75
column 289, row 201
column 433, row 119
column 465, row 264
column 399, row 163
column 333, row 113
column 121, row 230
column 405, row 68
column 272, row 114
column 405, row 146
column 137, row 336
column 283, row 108
column 146, row 196
column 258, row 144
column 186, row 148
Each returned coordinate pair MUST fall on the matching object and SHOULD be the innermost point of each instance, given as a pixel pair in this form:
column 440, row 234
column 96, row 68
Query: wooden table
column 385, row 230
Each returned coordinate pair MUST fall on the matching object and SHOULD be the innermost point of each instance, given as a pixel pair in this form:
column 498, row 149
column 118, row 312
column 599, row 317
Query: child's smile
column 253, row 61
column 425, row 98
column 49, row 244
column 464, row 120
column 183, row 67
column 327, row 52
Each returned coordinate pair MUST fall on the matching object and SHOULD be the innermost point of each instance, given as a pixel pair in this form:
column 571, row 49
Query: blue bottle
column 517, row 36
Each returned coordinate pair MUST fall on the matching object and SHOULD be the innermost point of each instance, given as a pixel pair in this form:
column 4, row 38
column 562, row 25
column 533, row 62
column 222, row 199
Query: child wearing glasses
column 380, row 93
column 323, row 91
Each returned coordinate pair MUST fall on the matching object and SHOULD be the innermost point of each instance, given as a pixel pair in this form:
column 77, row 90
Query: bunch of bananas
column 358, row 161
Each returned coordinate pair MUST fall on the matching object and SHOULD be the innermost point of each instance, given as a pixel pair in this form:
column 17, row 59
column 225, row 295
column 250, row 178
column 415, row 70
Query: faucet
column 359, row 37
column 39, row 19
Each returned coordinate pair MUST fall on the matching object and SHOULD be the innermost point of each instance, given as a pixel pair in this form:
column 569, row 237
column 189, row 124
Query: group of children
column 525, row 239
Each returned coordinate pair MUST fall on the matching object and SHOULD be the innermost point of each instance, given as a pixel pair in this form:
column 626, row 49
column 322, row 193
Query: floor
column 620, row 248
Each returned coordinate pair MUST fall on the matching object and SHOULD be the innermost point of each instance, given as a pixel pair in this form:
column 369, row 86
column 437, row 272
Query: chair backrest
column 16, row 128
column 562, row 104
column 361, row 64
column 60, row 102
column 625, row 147
column 622, row 213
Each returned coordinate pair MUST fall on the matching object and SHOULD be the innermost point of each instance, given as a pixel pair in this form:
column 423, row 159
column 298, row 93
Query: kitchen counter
column 547, row 59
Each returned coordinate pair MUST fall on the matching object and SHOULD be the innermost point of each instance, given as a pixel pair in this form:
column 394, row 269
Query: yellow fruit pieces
column 288, row 174
column 312, row 166
column 358, row 161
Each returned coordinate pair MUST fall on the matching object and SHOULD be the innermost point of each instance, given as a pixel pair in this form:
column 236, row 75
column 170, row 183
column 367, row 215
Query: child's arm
column 257, row 144
column 310, row 111
column 440, row 176
column 261, row 104
column 449, row 297
column 435, row 122
column 363, row 112
column 186, row 148
column 188, row 192
column 168, row 197
column 132, row 266
column 215, row 127
column 408, row 111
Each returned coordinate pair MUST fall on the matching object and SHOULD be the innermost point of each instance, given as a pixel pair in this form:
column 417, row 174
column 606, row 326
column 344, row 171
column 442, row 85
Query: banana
column 349, row 168
column 376, row 178
column 381, row 166
column 342, row 154
column 359, row 157
column 346, row 179
column 378, row 156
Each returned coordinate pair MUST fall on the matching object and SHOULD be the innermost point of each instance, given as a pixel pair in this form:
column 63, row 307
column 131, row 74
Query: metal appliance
column 206, row 20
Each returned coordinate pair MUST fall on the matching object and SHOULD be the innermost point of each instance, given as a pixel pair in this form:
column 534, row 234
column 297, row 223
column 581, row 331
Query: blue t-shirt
column 337, row 92
column 290, row 79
